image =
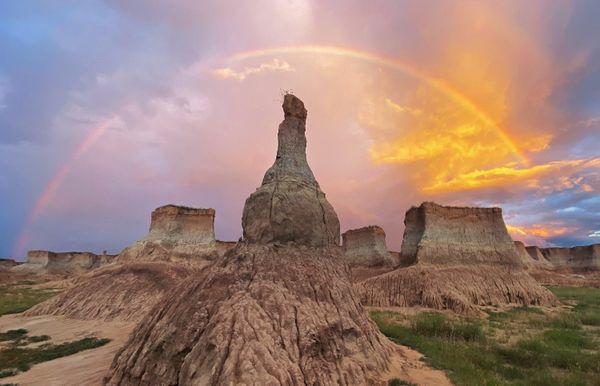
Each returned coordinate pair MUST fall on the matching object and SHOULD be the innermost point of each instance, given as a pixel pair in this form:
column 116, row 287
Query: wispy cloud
column 275, row 65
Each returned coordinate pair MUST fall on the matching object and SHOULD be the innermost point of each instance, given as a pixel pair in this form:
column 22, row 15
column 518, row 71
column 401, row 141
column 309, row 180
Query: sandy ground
column 87, row 367
column 408, row 366
column 90, row 366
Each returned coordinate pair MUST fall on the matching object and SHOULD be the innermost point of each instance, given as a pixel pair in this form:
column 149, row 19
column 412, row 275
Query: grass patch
column 16, row 298
column 394, row 382
column 522, row 346
column 15, row 359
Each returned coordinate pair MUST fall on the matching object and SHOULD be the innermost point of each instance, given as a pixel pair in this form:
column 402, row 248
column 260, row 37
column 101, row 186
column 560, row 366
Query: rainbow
column 398, row 65
column 56, row 181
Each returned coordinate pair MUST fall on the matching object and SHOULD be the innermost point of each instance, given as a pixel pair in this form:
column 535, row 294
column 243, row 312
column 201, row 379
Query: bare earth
column 87, row 367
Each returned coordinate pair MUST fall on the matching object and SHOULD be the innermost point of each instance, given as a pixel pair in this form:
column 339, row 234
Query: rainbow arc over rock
column 385, row 61
column 398, row 65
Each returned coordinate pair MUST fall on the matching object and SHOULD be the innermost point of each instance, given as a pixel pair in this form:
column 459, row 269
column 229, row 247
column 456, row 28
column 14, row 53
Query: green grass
column 14, row 359
column 18, row 298
column 522, row 346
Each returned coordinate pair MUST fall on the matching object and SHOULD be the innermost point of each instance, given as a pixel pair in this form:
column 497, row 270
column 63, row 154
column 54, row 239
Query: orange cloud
column 538, row 230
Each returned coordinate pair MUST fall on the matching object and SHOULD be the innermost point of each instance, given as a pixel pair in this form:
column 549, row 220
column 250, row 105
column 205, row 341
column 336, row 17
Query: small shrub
column 12, row 334
column 400, row 382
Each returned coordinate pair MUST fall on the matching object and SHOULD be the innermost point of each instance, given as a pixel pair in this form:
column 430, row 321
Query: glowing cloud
column 398, row 65
column 275, row 66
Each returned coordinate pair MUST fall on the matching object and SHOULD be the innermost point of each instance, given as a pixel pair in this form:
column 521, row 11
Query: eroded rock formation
column 39, row 261
column 176, row 232
column 442, row 235
column 366, row 247
column 6, row 264
column 462, row 258
column 576, row 258
column 289, row 206
column 278, row 309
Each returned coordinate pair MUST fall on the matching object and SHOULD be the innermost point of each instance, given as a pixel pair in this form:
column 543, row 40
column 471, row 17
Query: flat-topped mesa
column 62, row 262
column 461, row 259
column 576, row 258
column 445, row 235
column 176, row 232
column 289, row 206
column 182, row 224
column 366, row 247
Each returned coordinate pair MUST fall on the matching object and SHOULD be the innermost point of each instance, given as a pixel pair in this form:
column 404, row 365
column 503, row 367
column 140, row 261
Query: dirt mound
column 176, row 233
column 463, row 258
column 366, row 247
column 122, row 292
column 261, row 315
column 462, row 289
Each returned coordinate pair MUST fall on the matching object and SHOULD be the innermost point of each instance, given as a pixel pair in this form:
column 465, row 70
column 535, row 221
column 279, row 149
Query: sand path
column 87, row 367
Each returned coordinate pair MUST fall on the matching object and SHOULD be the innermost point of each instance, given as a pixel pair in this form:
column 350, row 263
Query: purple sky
column 109, row 109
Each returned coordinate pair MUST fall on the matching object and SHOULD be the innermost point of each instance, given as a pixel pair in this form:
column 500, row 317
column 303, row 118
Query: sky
column 109, row 109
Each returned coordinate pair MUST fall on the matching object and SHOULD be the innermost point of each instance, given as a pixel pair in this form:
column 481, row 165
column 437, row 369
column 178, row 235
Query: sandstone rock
column 42, row 262
column 580, row 258
column 443, row 235
column 275, row 310
column 535, row 253
column 462, row 258
column 289, row 206
column 176, row 233
column 6, row 264
column 366, row 247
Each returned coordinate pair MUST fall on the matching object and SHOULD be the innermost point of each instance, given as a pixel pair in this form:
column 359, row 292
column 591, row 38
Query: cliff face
column 62, row 262
column 182, row 225
column 366, row 247
column 462, row 258
column 576, row 258
column 176, row 232
column 442, row 235
column 289, row 206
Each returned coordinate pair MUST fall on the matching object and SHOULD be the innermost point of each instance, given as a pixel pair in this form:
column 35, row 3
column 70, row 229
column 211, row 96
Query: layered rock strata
column 39, row 261
column 366, row 247
column 289, row 206
column 275, row 310
column 580, row 258
column 176, row 232
column 443, row 235
column 462, row 258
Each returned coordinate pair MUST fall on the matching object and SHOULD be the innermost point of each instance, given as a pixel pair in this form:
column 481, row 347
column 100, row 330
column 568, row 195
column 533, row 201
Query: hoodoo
column 278, row 309
column 366, row 247
column 462, row 258
column 289, row 206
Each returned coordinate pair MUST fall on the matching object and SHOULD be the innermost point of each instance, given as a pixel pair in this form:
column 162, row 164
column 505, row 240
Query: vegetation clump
column 15, row 358
column 521, row 346
column 18, row 298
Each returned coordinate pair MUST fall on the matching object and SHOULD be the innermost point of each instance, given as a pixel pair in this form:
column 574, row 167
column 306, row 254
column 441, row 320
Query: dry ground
column 84, row 368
